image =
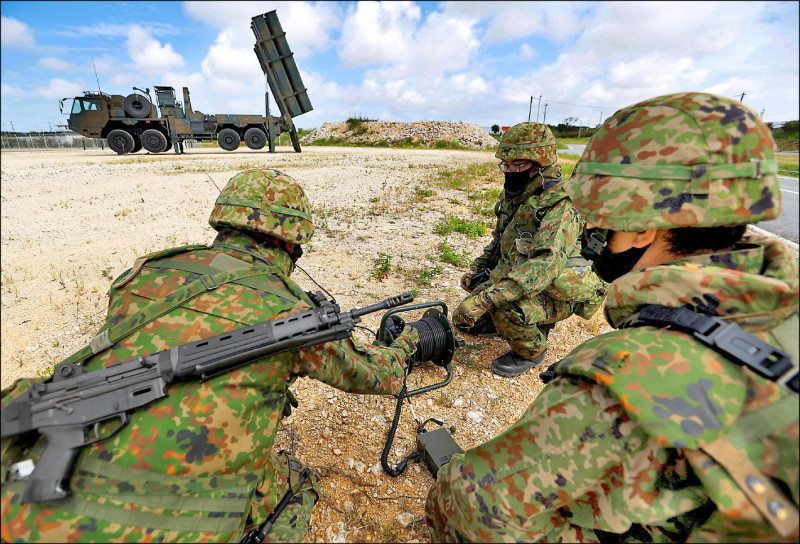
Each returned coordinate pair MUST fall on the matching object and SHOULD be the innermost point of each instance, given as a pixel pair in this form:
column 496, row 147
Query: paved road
column 787, row 225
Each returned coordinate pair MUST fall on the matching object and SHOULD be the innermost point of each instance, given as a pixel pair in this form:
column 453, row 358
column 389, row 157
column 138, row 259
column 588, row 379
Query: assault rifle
column 477, row 279
column 71, row 406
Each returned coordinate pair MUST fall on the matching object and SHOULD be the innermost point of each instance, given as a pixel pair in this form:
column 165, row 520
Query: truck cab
column 89, row 113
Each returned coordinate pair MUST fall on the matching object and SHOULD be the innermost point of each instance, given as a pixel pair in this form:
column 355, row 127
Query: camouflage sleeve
column 547, row 252
column 356, row 367
column 564, row 461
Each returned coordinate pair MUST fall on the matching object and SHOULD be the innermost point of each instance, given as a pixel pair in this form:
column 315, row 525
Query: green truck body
column 136, row 122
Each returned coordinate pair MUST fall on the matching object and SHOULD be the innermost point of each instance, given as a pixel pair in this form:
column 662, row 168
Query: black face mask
column 516, row 181
column 297, row 252
column 608, row 266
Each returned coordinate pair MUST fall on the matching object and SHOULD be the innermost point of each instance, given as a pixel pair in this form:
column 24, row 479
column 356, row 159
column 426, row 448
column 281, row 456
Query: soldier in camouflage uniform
column 537, row 274
column 197, row 466
column 645, row 433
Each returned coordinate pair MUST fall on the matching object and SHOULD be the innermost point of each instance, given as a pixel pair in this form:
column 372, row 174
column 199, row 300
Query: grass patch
column 788, row 162
column 424, row 276
column 463, row 178
column 787, row 141
column 421, row 195
column 451, row 256
column 469, row 227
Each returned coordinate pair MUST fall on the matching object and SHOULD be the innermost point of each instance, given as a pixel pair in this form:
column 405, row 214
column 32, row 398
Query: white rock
column 458, row 402
column 360, row 467
column 337, row 451
column 350, row 462
column 474, row 416
column 336, row 533
column 405, row 519
column 379, row 482
column 376, row 469
column 492, row 396
column 417, row 469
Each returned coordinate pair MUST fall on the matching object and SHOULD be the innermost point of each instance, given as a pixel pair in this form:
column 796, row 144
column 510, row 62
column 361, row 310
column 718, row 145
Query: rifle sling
column 210, row 279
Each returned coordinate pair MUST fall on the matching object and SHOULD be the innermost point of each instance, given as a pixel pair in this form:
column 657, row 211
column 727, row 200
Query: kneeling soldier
column 198, row 465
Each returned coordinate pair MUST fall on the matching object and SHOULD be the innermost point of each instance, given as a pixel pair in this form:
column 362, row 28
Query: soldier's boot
column 511, row 364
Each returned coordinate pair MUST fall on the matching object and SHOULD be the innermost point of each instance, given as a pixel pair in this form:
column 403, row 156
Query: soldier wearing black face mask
column 531, row 275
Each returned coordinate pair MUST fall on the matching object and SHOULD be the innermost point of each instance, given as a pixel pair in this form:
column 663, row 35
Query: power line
column 584, row 105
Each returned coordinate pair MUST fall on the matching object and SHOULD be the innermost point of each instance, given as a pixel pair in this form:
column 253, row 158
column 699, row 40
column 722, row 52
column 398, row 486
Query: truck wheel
column 255, row 138
column 295, row 139
column 120, row 141
column 137, row 143
column 228, row 139
column 136, row 105
column 154, row 141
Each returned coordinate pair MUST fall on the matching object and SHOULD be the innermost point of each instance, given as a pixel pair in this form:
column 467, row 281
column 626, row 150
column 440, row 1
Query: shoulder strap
column 207, row 282
column 727, row 339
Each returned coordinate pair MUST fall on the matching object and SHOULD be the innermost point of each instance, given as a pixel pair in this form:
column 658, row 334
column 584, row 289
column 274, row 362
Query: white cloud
column 508, row 21
column 308, row 25
column 57, row 65
column 59, row 88
column 379, row 33
column 9, row 91
column 148, row 54
column 15, row 34
column 526, row 51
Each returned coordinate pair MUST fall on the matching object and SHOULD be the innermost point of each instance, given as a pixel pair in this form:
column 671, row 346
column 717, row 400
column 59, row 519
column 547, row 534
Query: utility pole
column 601, row 119
column 579, row 128
column 529, row 109
column 762, row 115
column 544, row 120
column 12, row 127
column 537, row 108
column 742, row 97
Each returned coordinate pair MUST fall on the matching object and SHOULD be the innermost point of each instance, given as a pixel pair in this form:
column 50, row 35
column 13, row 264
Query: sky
column 479, row 62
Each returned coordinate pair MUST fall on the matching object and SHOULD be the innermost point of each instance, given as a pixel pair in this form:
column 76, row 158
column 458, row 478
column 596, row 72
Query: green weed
column 451, row 256
column 470, row 227
column 383, row 265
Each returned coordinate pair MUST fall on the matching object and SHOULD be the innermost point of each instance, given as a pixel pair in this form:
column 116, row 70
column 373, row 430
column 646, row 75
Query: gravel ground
column 74, row 220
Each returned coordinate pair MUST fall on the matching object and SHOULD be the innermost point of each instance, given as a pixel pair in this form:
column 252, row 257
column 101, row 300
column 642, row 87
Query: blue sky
column 405, row 61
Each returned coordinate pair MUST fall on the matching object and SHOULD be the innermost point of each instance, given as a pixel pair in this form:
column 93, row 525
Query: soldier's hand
column 291, row 400
column 394, row 326
column 471, row 309
column 466, row 278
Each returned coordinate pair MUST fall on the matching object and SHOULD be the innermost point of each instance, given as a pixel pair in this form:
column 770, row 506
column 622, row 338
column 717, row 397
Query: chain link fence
column 43, row 141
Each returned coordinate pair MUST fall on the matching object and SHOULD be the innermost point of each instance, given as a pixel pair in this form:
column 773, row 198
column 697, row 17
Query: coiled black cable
column 432, row 339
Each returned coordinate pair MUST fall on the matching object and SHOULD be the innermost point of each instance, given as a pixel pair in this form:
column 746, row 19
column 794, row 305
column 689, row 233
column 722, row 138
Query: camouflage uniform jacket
column 534, row 252
column 219, row 432
column 619, row 440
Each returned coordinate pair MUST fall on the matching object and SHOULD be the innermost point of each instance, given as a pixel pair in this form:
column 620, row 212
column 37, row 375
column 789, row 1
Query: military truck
column 132, row 123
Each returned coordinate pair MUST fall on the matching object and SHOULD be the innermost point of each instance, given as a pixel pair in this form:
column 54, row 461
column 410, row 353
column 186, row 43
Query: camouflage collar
column 754, row 283
column 241, row 241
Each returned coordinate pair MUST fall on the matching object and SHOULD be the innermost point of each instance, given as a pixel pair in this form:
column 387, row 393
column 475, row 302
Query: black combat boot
column 512, row 364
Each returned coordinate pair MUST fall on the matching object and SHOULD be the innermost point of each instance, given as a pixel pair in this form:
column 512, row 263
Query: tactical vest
column 570, row 284
column 723, row 445
column 133, row 502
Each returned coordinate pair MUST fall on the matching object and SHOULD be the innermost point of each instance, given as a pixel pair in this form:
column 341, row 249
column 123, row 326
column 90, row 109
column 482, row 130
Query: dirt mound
column 429, row 133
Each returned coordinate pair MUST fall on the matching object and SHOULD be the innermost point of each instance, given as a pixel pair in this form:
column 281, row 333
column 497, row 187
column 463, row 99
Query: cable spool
column 433, row 339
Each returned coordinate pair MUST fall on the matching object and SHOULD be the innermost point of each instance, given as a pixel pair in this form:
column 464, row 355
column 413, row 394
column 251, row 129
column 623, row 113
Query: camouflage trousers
column 108, row 510
column 295, row 520
column 520, row 322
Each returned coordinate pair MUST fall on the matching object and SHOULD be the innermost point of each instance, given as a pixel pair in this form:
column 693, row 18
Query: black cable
column 333, row 300
column 432, row 339
column 401, row 466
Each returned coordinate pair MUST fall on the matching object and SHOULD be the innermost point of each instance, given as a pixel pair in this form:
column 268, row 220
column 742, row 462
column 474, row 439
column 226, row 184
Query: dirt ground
column 72, row 221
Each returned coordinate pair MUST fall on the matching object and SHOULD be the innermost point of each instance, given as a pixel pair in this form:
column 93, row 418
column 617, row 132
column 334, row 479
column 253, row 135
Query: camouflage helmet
column 529, row 141
column 679, row 160
column 265, row 201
